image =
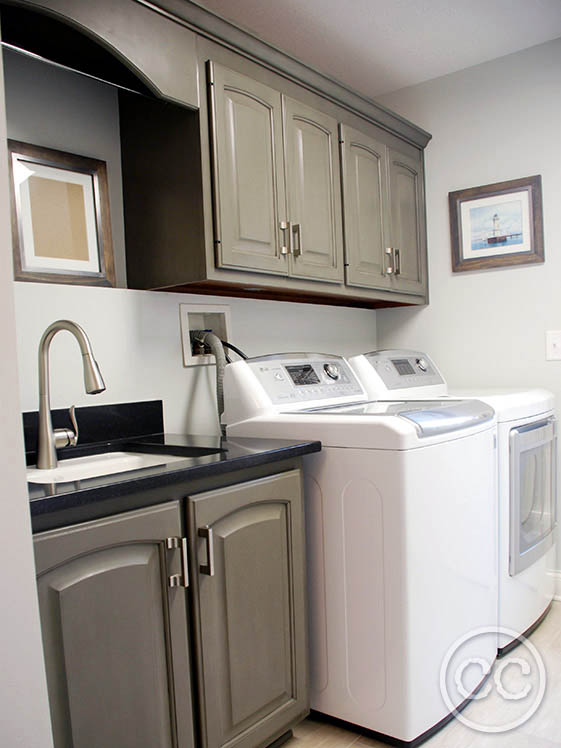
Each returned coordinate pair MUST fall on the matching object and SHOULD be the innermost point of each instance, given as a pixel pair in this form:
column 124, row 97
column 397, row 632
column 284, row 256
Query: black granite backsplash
column 100, row 423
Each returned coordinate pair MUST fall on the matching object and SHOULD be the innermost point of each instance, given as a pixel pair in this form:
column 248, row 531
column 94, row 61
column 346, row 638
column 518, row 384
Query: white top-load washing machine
column 401, row 529
column 527, row 491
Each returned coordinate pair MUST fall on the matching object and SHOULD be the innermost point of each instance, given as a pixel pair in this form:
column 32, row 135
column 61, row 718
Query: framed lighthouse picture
column 497, row 225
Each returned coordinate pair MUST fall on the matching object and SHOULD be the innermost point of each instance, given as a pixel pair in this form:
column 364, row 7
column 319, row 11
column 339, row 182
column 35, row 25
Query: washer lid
column 430, row 417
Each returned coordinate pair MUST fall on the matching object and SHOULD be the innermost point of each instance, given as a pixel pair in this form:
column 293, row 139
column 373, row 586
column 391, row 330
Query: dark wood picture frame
column 494, row 255
column 33, row 154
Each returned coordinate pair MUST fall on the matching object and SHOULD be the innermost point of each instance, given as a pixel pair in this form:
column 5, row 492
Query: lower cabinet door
column 251, row 631
column 114, row 633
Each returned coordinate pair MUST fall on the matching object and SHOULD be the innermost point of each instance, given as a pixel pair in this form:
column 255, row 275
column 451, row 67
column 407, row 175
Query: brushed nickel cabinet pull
column 207, row 534
column 296, row 239
column 397, row 262
column 387, row 269
column 285, row 245
column 185, row 562
column 179, row 580
column 214, row 154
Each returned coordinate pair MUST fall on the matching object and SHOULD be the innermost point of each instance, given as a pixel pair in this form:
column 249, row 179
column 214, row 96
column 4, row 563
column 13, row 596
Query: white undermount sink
column 92, row 466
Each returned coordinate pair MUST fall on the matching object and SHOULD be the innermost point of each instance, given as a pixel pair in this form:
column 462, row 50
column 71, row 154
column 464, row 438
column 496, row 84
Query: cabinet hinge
column 182, row 579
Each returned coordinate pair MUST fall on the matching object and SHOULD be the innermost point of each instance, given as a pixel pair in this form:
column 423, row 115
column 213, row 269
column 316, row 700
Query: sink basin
column 78, row 468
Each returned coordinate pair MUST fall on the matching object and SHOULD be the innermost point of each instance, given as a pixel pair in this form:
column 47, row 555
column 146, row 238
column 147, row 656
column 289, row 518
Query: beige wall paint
column 24, row 712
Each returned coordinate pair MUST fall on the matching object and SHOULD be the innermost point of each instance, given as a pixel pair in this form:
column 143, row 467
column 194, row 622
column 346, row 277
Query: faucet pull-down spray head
column 93, row 382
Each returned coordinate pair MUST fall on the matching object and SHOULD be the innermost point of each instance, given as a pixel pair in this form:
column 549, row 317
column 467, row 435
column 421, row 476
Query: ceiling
column 378, row 46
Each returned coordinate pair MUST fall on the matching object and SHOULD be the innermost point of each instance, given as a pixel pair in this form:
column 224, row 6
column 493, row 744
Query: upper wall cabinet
column 276, row 201
column 231, row 169
column 384, row 215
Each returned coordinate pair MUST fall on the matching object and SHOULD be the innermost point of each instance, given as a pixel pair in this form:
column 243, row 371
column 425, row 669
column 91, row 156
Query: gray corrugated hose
column 215, row 345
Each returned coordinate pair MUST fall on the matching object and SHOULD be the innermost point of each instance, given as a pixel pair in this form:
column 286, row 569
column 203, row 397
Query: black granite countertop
column 209, row 462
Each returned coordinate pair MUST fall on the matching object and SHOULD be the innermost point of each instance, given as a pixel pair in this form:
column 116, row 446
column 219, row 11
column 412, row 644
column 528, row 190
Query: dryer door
column 533, row 492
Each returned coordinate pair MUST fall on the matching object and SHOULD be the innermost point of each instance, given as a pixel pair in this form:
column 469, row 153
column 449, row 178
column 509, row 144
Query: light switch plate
column 553, row 345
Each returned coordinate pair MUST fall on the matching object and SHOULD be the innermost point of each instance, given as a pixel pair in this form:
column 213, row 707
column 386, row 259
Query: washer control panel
column 289, row 379
column 400, row 369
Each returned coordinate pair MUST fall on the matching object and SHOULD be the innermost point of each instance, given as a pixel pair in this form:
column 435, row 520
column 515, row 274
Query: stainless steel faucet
column 52, row 439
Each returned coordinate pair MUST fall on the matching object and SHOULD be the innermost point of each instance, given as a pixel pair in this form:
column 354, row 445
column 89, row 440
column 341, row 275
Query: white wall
column 136, row 340
column 24, row 715
column 490, row 123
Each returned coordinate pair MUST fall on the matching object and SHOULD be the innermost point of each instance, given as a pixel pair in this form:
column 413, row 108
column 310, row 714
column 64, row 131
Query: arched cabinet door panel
column 407, row 222
column 250, row 631
column 364, row 166
column 249, row 194
column 115, row 633
column 314, row 192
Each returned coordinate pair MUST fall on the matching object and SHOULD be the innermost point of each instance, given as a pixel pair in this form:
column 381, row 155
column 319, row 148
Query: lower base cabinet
column 117, row 619
column 115, row 635
column 250, row 605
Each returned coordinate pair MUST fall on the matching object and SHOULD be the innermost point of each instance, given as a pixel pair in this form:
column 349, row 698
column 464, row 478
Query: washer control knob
column 332, row 370
column 422, row 364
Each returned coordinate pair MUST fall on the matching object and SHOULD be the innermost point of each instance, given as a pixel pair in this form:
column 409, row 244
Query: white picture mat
column 495, row 251
column 23, row 170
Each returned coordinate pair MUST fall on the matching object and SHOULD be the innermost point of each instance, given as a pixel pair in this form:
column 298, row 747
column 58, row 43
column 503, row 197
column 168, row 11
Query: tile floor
column 542, row 730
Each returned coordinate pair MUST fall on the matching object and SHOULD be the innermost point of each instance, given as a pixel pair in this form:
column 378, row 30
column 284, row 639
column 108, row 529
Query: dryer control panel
column 398, row 370
column 290, row 379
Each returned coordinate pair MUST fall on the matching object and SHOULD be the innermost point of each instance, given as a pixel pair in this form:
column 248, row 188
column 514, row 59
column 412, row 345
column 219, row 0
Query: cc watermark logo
column 513, row 688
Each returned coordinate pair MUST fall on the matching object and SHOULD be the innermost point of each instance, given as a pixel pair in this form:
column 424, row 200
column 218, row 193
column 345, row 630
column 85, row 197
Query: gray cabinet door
column 114, row 634
column 314, row 192
column 365, row 202
column 251, row 627
column 407, row 222
column 249, row 190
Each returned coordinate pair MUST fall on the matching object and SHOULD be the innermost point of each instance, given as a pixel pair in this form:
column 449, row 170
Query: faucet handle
column 74, row 439
column 67, row 437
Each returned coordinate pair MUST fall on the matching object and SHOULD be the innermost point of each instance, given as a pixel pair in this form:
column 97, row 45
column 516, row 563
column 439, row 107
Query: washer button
column 332, row 370
column 422, row 364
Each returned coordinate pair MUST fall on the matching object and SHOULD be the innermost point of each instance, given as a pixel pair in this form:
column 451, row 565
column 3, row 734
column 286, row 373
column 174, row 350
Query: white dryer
column 397, row 501
column 526, row 468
